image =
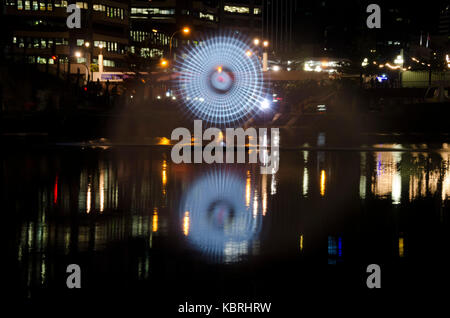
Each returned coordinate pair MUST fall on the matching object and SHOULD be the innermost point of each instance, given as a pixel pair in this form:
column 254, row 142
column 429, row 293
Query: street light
column 78, row 55
column 164, row 63
column 88, row 55
column 185, row 30
column 256, row 41
column 265, row 56
column 100, row 60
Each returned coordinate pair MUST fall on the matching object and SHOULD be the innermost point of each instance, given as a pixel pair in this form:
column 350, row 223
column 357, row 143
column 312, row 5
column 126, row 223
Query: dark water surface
column 148, row 231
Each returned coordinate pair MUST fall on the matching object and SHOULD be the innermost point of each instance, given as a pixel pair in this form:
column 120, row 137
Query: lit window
column 27, row 5
column 235, row 9
column 257, row 11
column 41, row 60
column 207, row 16
column 82, row 5
column 80, row 42
column 98, row 43
column 19, row 5
column 35, row 6
column 109, row 63
column 99, row 7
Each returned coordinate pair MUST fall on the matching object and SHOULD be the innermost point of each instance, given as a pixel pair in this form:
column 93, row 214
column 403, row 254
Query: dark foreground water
column 155, row 234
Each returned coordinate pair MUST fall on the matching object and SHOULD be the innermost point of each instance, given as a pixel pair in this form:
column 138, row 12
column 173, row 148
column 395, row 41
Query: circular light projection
column 221, row 80
column 221, row 223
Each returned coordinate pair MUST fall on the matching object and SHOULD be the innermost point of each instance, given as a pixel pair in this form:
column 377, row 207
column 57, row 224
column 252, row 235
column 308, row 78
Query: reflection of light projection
column 220, row 82
column 221, row 224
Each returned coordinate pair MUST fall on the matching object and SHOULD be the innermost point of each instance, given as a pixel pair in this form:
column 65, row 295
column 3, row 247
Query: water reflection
column 123, row 208
column 399, row 174
column 218, row 217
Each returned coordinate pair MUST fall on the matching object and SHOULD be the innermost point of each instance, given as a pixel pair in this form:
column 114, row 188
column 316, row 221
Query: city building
column 155, row 26
column 39, row 34
column 243, row 16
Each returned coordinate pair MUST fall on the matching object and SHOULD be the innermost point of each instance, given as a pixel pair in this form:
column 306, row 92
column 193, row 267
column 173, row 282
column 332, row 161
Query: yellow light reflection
column 401, row 248
column 155, row 220
column 164, row 177
column 301, row 242
column 255, row 204
column 248, row 189
column 322, row 182
column 186, row 223
column 88, row 199
column 264, row 194
column 101, row 189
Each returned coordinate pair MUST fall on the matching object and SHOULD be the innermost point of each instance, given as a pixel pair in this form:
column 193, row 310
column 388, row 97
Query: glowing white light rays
column 221, row 223
column 220, row 82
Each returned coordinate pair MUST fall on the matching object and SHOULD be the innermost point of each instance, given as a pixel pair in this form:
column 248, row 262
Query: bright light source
column 164, row 63
column 318, row 69
column 186, row 30
column 101, row 46
column 87, row 44
column 365, row 62
column 265, row 104
column 219, row 69
column 154, row 31
column 256, row 41
column 382, row 78
column 399, row 60
column 248, row 53
column 266, row 43
column 275, row 68
column 321, row 108
column 77, row 54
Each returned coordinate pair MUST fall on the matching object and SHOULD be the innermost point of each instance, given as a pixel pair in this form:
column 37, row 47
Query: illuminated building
column 38, row 34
